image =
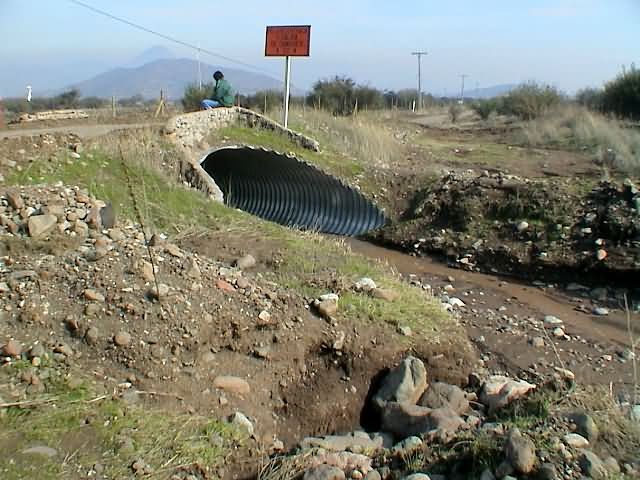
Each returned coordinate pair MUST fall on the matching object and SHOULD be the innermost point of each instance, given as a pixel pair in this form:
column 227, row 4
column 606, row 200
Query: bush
column 590, row 98
column 622, row 95
column 193, row 96
column 530, row 100
column 454, row 112
column 484, row 108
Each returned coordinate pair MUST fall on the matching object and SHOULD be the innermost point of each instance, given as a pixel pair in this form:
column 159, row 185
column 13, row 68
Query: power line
column 167, row 37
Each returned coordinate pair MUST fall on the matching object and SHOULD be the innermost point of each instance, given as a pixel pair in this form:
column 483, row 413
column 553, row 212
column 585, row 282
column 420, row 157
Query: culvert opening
column 288, row 191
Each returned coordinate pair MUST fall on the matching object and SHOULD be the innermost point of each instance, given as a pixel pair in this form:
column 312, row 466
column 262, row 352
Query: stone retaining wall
column 190, row 131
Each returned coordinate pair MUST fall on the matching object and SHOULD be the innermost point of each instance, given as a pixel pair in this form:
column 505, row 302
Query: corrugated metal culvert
column 288, row 191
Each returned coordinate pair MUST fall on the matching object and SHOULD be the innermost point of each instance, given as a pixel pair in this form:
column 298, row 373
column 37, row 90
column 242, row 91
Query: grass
column 87, row 429
column 576, row 128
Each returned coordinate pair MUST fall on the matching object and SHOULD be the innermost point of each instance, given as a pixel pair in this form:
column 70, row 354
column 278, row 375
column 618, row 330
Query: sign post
column 287, row 41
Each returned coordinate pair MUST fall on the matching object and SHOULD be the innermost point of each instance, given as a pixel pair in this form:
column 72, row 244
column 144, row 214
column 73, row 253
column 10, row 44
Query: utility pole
column 463, row 76
column 199, row 70
column 419, row 55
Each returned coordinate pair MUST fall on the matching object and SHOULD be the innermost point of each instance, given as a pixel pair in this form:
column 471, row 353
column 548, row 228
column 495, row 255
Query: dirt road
column 84, row 131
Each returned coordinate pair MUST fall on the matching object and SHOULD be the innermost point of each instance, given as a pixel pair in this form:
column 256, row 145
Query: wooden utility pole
column 419, row 55
column 161, row 110
column 113, row 106
column 463, row 76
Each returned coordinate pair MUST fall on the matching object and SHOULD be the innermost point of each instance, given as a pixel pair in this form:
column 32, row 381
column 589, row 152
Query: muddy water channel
column 510, row 322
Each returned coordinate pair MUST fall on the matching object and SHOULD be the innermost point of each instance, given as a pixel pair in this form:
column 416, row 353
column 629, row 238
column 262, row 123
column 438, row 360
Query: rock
column 116, row 235
column 327, row 308
column 224, row 286
column 520, row 452
column 612, row 466
column 193, row 270
column 246, row 262
column 365, row 284
column 107, row 216
column 13, row 348
column 601, row 254
column 15, row 200
column 147, row 271
column 405, row 330
column 440, row 395
column 404, row 384
column 264, row 318
column 40, row 225
column 405, row 420
column 373, row 475
column 576, row 441
column 232, row 384
column 91, row 336
column 41, row 450
column 36, row 351
column 122, row 339
column 324, row 472
column 93, row 296
column 498, row 391
column 158, row 292
column 558, row 332
column 243, row 283
column 522, row 226
column 591, row 465
column 585, row 426
column 547, row 471
column 487, row 475
column 385, row 294
column 93, row 218
column 601, row 311
column 504, row 470
column 173, row 250
column 552, row 321
column 537, row 342
column 417, row 476
column 409, row 444
column 355, row 442
column 241, row 421
column 456, row 302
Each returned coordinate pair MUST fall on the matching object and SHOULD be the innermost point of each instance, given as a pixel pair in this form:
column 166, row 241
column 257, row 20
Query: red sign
column 291, row 41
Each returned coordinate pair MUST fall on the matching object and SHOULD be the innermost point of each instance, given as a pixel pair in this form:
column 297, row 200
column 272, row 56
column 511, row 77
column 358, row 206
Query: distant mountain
column 489, row 92
column 170, row 75
column 152, row 54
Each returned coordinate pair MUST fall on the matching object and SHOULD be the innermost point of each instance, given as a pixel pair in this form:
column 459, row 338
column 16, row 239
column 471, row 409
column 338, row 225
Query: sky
column 570, row 44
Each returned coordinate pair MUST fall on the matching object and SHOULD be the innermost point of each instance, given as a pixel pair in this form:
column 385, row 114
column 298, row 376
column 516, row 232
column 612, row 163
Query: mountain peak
column 157, row 52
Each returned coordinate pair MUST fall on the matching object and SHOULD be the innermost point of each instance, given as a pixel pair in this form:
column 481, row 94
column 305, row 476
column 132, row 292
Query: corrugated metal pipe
column 291, row 192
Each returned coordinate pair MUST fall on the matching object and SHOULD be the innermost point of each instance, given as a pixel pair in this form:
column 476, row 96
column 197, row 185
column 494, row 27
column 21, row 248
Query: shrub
column 622, row 95
column 484, row 108
column 530, row 100
column 454, row 112
column 590, row 98
column 193, row 95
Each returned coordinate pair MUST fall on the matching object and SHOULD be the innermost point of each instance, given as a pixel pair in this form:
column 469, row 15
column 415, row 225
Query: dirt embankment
column 528, row 228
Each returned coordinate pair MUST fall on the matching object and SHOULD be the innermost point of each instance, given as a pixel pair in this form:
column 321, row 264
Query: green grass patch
column 87, row 429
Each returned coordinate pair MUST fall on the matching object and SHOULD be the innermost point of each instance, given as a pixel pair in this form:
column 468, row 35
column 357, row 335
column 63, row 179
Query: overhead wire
column 170, row 38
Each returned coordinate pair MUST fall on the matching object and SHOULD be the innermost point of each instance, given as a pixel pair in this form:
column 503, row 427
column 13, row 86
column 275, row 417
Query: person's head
column 218, row 76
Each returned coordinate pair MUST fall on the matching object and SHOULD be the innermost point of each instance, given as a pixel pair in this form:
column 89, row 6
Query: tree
column 622, row 95
column 193, row 96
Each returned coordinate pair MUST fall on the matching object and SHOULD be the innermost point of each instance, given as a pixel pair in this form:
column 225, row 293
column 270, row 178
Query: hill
column 489, row 92
column 170, row 75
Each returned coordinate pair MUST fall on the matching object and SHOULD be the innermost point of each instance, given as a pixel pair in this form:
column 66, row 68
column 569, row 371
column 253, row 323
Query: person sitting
column 222, row 93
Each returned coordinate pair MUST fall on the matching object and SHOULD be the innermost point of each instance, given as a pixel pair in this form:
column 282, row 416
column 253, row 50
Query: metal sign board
column 288, row 41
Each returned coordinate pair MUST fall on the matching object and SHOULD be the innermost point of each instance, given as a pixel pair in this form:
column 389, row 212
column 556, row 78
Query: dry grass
column 364, row 137
column 611, row 144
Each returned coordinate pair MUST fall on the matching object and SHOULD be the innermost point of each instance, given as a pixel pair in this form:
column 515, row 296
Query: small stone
column 122, row 339
column 116, row 235
column 365, row 284
column 456, row 302
column 173, row 250
column 522, row 226
column 91, row 337
column 246, row 262
column 385, row 294
column 327, row 308
column 264, row 318
column 13, row 348
column 585, row 426
column 15, row 200
column 75, row 155
column 601, row 311
column 373, row 475
column 224, row 286
column 417, row 476
column 93, row 295
column 601, row 254
column 324, row 472
column 576, row 441
column 232, row 384
column 552, row 321
column 405, row 331
column 241, row 421
column 558, row 332
column 520, row 452
column 36, row 351
column 40, row 225
column 193, row 270
column 537, row 342
column 64, row 349
column 159, row 292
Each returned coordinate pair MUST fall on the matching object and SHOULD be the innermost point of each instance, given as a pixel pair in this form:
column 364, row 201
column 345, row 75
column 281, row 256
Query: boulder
column 520, row 452
column 40, row 225
column 324, row 472
column 591, row 465
column 405, row 384
column 498, row 391
column 354, row 442
column 440, row 395
column 585, row 426
column 404, row 420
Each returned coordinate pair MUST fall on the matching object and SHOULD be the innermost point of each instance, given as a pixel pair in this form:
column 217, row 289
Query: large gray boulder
column 404, row 420
column 443, row 395
column 405, row 384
